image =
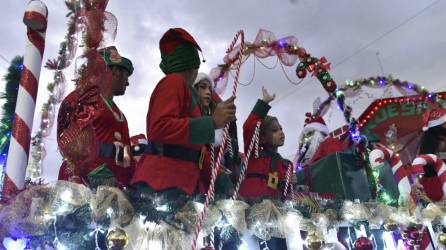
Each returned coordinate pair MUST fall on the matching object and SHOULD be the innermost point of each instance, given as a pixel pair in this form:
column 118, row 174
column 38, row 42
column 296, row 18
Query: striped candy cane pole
column 431, row 159
column 288, row 179
column 35, row 19
column 241, row 177
column 214, row 174
column 381, row 154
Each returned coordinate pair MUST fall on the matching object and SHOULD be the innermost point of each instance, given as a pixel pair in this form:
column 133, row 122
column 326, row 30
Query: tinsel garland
column 56, row 90
column 70, row 215
column 12, row 79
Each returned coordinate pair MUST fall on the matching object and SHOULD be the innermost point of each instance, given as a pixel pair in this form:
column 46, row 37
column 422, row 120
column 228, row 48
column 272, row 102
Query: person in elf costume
column 113, row 165
column 265, row 175
column 208, row 100
column 433, row 141
column 176, row 130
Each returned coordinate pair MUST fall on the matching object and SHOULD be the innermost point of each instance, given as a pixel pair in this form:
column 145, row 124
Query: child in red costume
column 176, row 130
column 265, row 176
column 208, row 100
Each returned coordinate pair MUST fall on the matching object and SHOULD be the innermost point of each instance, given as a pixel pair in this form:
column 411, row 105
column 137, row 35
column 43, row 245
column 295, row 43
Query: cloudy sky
column 408, row 35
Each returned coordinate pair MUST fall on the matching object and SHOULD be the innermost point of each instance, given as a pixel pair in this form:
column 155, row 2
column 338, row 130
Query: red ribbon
column 319, row 66
column 35, row 18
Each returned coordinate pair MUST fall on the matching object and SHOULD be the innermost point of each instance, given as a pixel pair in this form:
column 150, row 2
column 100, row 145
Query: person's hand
column 267, row 97
column 224, row 113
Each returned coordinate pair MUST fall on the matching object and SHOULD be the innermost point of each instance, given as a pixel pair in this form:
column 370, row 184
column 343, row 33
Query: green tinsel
column 12, row 79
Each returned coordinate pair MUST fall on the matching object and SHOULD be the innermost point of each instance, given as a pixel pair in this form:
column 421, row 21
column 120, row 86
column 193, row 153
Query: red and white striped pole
column 35, row 19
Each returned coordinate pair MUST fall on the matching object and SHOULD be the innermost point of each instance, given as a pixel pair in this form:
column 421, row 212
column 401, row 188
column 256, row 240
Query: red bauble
column 330, row 86
column 301, row 73
column 363, row 243
column 207, row 248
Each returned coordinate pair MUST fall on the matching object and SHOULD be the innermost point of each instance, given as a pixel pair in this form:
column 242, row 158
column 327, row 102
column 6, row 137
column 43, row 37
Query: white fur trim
column 315, row 126
column 202, row 76
column 437, row 122
column 218, row 137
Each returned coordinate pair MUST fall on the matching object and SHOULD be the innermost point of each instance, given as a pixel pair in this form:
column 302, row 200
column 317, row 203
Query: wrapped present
column 338, row 174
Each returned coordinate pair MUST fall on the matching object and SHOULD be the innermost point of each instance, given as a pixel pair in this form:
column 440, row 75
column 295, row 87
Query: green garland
column 12, row 79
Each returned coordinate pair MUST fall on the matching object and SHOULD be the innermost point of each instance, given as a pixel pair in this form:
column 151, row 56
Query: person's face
column 204, row 92
column 273, row 136
column 120, row 80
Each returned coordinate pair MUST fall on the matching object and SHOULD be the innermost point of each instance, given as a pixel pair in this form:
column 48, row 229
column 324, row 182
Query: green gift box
column 337, row 174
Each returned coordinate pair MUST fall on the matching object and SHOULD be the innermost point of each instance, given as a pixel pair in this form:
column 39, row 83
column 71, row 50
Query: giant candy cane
column 35, row 19
column 240, row 35
column 381, row 154
column 431, row 159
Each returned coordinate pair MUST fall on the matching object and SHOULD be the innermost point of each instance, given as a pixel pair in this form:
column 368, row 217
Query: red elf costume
column 176, row 130
column 110, row 130
column 265, row 175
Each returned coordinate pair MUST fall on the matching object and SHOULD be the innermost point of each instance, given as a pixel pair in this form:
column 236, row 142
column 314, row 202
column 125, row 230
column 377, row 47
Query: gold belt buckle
column 273, row 180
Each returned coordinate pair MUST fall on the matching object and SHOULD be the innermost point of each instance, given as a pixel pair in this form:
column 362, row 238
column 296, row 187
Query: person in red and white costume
column 315, row 143
column 433, row 141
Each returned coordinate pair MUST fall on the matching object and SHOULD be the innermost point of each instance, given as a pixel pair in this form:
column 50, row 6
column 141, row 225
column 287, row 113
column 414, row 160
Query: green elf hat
column 113, row 58
column 178, row 51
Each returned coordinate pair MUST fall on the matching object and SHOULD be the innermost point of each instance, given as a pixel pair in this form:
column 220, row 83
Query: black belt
column 256, row 175
column 108, row 150
column 173, row 151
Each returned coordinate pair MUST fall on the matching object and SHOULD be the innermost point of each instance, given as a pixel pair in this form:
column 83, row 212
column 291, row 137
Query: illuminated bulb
column 243, row 246
column 109, row 212
column 66, row 196
column 11, row 244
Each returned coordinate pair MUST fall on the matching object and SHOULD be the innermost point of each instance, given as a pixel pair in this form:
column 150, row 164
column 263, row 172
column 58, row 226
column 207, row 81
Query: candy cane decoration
column 35, row 19
column 254, row 141
column 381, row 154
column 287, row 181
column 215, row 171
column 431, row 159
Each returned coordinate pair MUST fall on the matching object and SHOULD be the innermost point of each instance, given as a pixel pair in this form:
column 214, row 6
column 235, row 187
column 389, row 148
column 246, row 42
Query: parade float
column 389, row 214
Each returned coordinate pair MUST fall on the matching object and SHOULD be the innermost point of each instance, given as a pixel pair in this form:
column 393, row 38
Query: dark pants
column 274, row 244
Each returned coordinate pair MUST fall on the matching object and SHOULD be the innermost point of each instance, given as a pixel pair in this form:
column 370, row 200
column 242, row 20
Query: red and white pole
column 35, row 19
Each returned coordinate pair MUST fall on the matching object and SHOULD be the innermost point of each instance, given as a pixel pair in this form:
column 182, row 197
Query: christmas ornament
column 390, row 225
column 314, row 242
column 117, row 239
column 442, row 238
column 363, row 243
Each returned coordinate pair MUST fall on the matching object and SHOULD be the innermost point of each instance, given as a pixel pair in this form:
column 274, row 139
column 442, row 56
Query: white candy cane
column 431, row 159
column 35, row 18
column 378, row 156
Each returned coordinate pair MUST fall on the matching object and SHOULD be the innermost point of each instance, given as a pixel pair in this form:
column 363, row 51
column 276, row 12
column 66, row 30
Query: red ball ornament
column 363, row 243
column 207, row 248
column 301, row 74
column 330, row 86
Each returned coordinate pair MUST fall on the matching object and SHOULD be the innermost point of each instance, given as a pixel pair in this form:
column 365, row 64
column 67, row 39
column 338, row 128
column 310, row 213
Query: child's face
column 204, row 92
column 273, row 135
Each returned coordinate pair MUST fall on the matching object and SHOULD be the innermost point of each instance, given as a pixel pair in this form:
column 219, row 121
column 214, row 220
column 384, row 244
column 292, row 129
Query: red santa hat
column 434, row 117
column 314, row 123
column 138, row 139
